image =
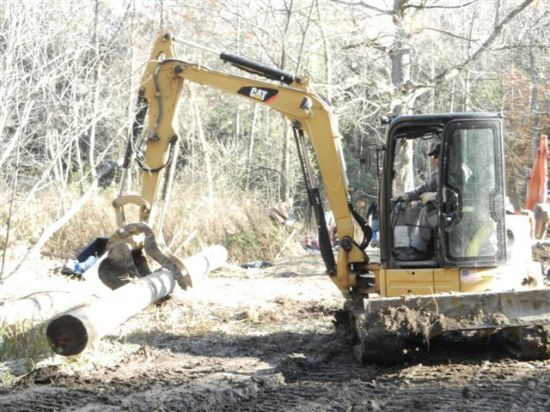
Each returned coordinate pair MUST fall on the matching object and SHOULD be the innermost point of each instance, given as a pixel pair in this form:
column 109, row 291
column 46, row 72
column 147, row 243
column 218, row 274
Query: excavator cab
column 465, row 223
column 478, row 273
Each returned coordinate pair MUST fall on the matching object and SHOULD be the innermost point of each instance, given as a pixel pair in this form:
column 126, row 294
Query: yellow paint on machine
column 477, row 280
column 427, row 281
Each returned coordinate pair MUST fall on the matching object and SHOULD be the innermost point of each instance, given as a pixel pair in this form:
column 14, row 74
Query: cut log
column 40, row 306
column 72, row 332
column 211, row 258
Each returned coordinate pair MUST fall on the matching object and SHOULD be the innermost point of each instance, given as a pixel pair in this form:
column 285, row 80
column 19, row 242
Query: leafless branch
column 424, row 6
column 446, row 33
column 447, row 74
column 364, row 5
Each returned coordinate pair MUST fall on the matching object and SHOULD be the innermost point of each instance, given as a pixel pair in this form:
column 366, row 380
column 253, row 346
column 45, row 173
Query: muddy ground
column 264, row 339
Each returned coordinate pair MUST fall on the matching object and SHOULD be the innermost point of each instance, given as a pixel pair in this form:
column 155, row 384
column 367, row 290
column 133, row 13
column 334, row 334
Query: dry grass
column 95, row 219
column 29, row 220
column 237, row 220
column 25, row 340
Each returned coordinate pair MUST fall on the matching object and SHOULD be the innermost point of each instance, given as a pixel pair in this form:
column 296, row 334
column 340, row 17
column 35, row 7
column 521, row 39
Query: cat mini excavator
column 480, row 275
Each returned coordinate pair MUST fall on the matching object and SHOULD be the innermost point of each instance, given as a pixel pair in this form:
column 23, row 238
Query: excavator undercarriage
column 385, row 329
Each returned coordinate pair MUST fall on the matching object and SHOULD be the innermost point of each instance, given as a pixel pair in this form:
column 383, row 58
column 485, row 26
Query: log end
column 67, row 335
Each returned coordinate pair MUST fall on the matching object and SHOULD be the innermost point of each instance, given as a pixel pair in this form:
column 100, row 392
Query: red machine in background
column 536, row 198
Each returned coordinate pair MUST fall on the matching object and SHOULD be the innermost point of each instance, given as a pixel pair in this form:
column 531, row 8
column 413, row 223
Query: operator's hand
column 404, row 198
column 427, row 197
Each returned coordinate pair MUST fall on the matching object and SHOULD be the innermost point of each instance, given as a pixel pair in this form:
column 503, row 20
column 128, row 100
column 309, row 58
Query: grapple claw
column 126, row 257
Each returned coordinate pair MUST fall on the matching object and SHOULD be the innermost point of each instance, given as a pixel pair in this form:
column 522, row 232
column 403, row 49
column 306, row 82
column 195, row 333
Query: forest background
column 70, row 74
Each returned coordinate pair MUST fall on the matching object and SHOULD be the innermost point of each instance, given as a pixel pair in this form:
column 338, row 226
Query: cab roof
column 440, row 117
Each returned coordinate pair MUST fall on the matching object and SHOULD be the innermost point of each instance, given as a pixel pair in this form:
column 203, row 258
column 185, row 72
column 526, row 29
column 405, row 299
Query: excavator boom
column 537, row 185
column 309, row 115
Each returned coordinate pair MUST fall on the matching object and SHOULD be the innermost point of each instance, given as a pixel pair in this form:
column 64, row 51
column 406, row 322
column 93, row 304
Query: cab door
column 471, row 229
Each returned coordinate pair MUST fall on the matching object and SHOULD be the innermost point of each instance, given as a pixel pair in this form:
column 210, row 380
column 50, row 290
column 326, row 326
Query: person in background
column 374, row 214
column 542, row 213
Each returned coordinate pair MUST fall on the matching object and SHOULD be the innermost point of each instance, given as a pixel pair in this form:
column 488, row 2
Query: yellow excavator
column 479, row 276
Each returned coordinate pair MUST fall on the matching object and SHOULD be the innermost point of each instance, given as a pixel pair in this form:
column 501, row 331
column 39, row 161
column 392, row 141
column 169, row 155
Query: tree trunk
column 283, row 186
column 401, row 103
column 534, row 105
column 251, row 147
column 204, row 146
column 327, row 56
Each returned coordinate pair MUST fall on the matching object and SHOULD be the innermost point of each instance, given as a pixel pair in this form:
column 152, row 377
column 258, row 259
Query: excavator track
column 369, row 346
column 384, row 330
column 528, row 342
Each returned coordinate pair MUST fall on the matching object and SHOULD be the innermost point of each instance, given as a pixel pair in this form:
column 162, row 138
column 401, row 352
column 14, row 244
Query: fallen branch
column 58, row 224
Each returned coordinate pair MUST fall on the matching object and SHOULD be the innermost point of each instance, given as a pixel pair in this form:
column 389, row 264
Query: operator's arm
column 430, row 186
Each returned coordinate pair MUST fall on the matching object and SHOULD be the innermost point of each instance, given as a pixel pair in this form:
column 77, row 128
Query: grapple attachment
column 126, row 258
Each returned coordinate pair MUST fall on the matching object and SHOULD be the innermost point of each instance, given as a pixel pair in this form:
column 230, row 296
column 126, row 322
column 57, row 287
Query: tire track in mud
column 266, row 394
column 423, row 392
column 323, row 376
column 471, row 378
column 213, row 391
column 52, row 398
column 489, row 386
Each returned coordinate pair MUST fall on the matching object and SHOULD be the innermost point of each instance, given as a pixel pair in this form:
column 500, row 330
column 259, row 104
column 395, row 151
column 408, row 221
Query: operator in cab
column 421, row 242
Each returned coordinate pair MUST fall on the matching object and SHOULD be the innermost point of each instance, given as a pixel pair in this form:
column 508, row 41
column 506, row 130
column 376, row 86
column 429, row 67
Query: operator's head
column 434, row 152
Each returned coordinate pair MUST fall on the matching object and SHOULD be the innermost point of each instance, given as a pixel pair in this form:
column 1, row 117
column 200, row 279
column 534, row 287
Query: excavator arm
column 309, row 115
